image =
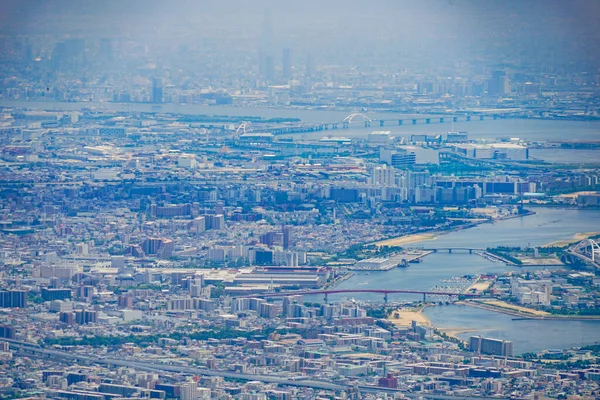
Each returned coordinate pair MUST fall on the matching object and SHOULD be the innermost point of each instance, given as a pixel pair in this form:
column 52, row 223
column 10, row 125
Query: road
column 24, row 348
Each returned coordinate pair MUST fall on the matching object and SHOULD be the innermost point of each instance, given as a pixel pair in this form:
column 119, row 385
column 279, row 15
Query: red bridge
column 385, row 293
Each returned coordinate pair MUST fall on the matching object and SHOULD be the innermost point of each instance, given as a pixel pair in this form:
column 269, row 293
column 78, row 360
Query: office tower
column 157, row 90
column 498, row 84
column 83, row 317
column 7, row 332
column 286, row 65
column 309, row 66
column 272, row 239
column 269, row 74
column 68, row 55
column 67, row 318
column 56, row 294
column 287, row 237
column 266, row 64
column 196, row 284
column 215, row 222
column 106, row 51
column 13, row 299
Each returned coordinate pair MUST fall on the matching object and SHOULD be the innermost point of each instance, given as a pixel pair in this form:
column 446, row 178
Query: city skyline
column 259, row 200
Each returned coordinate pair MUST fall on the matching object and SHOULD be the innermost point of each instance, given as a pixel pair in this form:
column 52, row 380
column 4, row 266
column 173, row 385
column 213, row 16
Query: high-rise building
column 288, row 238
column 309, row 66
column 105, row 52
column 196, row 284
column 13, row 299
column 286, row 65
column 491, row 346
column 215, row 222
column 56, row 294
column 67, row 317
column 272, row 239
column 7, row 332
column 498, row 84
column 157, row 90
column 269, row 68
column 85, row 317
column 383, row 175
column 158, row 246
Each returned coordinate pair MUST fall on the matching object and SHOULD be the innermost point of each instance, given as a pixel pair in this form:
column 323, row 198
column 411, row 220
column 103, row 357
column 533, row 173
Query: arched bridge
column 385, row 293
column 587, row 250
column 449, row 249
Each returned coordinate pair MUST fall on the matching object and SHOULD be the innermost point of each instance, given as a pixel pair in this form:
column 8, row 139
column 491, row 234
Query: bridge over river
column 385, row 293
column 362, row 119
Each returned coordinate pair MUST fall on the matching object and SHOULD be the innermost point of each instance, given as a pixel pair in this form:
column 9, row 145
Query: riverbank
column 578, row 237
column 407, row 239
column 338, row 280
column 433, row 234
column 524, row 312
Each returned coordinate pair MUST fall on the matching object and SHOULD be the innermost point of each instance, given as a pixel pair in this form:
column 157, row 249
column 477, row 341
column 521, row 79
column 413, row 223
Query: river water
column 527, row 335
column 546, row 226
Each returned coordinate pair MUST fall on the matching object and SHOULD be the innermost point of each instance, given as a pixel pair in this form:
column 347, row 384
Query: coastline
column 527, row 315
column 338, row 280
column 578, row 237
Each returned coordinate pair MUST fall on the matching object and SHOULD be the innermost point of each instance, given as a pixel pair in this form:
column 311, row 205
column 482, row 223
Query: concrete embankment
column 522, row 315
column 339, row 280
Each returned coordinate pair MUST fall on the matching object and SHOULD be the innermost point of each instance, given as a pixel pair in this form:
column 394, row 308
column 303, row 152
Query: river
column 546, row 226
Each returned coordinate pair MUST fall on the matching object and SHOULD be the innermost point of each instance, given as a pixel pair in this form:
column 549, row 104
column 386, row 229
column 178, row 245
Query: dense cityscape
column 299, row 204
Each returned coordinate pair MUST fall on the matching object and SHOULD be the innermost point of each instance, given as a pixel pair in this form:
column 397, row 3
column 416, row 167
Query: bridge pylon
column 385, row 297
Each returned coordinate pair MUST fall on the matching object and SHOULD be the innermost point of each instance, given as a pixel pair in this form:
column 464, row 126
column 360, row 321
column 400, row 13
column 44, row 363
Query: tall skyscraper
column 105, row 52
column 498, row 84
column 266, row 63
column 157, row 90
column 269, row 71
column 287, row 237
column 286, row 65
column 309, row 66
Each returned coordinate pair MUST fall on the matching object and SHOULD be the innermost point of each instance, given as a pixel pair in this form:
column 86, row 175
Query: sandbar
column 417, row 237
column 406, row 316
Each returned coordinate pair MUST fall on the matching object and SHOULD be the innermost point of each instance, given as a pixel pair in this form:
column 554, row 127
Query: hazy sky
column 534, row 31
